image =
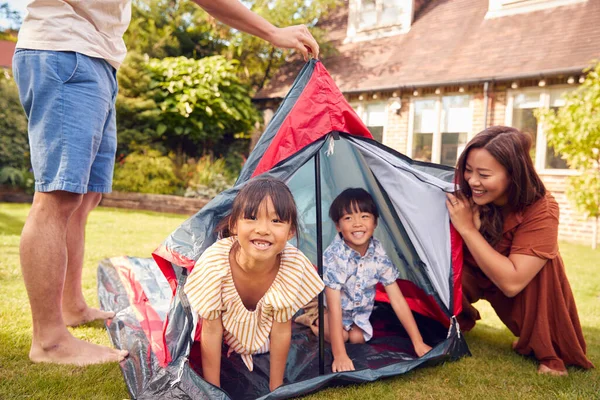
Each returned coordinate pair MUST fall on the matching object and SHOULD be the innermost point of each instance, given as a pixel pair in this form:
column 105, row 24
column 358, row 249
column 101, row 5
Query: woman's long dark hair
column 510, row 147
column 251, row 196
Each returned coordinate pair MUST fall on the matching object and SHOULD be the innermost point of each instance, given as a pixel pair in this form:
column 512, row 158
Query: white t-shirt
column 91, row 27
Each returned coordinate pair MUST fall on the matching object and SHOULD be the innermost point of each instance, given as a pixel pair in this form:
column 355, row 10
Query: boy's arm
column 210, row 350
column 281, row 337
column 405, row 316
column 341, row 361
column 238, row 16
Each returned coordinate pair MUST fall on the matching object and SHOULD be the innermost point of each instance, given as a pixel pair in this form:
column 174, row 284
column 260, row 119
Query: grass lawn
column 494, row 371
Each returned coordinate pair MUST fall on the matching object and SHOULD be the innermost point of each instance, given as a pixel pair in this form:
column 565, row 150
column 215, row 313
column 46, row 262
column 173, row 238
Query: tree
column 185, row 104
column 14, row 144
column 14, row 18
column 574, row 132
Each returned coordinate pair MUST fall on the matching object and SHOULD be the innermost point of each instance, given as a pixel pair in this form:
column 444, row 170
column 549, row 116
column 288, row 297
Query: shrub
column 207, row 177
column 14, row 144
column 147, row 171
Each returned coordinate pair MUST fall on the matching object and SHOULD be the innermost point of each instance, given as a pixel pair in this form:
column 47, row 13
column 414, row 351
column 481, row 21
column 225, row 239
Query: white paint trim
column 502, row 8
column 411, row 128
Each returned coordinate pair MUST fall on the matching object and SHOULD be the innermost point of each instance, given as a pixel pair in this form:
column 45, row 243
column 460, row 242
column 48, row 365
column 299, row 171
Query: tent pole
column 320, row 261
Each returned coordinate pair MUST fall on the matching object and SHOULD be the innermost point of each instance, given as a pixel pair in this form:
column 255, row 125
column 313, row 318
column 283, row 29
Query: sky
column 16, row 5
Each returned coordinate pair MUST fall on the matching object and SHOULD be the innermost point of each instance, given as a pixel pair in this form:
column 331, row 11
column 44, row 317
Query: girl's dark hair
column 250, row 197
column 352, row 200
column 510, row 147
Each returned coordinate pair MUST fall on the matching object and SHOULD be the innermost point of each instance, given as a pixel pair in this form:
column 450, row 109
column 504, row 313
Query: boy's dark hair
column 352, row 200
column 249, row 199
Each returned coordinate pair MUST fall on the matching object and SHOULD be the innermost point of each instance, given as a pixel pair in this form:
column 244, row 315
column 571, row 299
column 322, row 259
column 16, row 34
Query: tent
column 318, row 145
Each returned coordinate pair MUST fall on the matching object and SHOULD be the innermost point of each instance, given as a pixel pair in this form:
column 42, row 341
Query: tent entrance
column 390, row 347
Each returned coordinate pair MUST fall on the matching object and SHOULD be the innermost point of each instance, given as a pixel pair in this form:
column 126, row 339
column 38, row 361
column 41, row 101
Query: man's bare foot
column 543, row 369
column 70, row 350
column 514, row 344
column 88, row 314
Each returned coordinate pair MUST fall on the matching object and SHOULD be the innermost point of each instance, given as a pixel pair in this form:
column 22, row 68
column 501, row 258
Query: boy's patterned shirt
column 355, row 277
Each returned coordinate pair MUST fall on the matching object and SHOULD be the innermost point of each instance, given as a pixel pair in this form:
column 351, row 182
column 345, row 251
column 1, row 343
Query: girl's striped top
column 212, row 293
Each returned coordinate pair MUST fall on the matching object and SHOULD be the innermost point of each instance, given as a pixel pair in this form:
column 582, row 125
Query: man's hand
column 342, row 363
column 296, row 37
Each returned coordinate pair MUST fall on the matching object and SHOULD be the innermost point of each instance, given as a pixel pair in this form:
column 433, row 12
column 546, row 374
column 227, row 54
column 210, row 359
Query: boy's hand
column 342, row 363
column 421, row 349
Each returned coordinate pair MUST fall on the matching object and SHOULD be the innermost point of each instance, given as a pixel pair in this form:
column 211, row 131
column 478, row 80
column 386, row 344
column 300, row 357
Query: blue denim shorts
column 69, row 99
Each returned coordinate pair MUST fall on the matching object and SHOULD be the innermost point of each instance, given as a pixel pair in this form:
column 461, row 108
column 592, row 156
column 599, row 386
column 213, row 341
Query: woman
column 509, row 225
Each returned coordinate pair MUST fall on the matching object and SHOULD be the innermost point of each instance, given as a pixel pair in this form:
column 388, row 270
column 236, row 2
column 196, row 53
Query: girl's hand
column 421, row 349
column 461, row 213
column 342, row 363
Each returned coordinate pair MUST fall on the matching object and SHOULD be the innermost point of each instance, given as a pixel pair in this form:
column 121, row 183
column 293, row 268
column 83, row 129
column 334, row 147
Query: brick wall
column 573, row 227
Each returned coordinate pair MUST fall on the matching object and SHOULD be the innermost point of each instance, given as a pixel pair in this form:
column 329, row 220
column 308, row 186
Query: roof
column 7, row 49
column 451, row 42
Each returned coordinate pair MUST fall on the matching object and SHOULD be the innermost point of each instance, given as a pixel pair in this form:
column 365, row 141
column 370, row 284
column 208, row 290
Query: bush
column 147, row 171
column 207, row 177
column 14, row 144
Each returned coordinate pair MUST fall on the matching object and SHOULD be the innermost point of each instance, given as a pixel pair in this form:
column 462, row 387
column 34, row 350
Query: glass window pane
column 455, row 126
column 553, row 159
column 422, row 143
column 367, row 14
column 424, row 116
column 391, row 13
column 424, row 125
column 523, row 119
column 556, row 95
column 375, row 119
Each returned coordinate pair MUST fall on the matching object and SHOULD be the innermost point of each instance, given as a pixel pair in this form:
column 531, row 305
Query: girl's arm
column 511, row 274
column 341, row 361
column 281, row 337
column 211, row 340
column 405, row 316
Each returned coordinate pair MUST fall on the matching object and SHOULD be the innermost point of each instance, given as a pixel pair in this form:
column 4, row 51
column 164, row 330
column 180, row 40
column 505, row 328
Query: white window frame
column 355, row 33
column 361, row 109
column 436, row 141
column 541, row 142
column 502, row 8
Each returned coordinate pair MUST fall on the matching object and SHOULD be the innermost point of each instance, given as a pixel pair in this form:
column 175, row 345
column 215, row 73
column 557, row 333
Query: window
column 456, row 125
column 374, row 115
column 379, row 13
column 372, row 19
column 440, row 128
column 424, row 122
column 520, row 114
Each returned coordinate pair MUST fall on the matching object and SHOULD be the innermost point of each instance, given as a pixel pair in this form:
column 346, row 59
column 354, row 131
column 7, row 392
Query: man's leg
column 43, row 252
column 75, row 310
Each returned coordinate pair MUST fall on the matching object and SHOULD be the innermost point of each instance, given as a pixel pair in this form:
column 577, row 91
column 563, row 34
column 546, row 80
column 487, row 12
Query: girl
column 509, row 224
column 246, row 287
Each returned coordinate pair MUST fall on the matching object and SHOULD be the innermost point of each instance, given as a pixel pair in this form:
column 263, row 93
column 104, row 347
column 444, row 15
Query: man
column 65, row 66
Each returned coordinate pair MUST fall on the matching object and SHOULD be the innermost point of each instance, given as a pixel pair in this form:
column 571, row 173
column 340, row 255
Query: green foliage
column 208, row 177
column 260, row 59
column 187, row 105
column 14, row 144
column 146, row 171
column 574, row 132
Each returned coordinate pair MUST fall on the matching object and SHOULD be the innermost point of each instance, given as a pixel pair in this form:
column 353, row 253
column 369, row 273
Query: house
column 427, row 75
column 7, row 50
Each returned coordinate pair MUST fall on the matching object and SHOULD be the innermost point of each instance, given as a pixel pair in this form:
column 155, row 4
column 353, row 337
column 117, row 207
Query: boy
column 352, row 265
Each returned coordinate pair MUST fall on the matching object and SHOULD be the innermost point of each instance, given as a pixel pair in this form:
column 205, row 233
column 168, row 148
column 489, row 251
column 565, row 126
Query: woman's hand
column 463, row 214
